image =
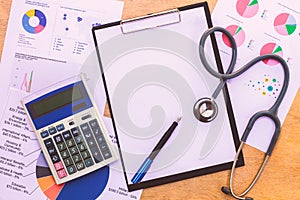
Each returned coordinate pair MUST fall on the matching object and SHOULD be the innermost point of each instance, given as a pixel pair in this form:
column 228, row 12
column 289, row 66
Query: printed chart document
column 260, row 27
column 51, row 31
column 25, row 174
column 49, row 41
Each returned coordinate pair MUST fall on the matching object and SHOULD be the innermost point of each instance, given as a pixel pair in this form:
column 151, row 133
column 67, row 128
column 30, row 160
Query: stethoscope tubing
column 270, row 113
column 230, row 74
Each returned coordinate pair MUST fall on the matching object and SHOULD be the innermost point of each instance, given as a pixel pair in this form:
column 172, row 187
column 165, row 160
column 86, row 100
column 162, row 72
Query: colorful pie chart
column 89, row 186
column 238, row 34
column 285, row 24
column 271, row 48
column 34, row 21
column 247, row 8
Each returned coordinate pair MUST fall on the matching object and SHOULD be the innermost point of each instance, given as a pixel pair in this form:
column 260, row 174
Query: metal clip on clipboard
column 153, row 20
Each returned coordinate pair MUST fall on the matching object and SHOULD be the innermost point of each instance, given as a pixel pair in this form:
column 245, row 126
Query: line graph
column 27, row 82
column 22, row 78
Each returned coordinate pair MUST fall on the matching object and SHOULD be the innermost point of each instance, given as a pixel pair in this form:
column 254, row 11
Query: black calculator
column 69, row 129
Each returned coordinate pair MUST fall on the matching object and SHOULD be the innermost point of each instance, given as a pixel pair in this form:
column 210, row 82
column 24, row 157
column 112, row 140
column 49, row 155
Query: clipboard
column 152, row 73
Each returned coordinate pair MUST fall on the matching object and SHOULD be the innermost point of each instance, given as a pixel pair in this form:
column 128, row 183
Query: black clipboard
column 119, row 43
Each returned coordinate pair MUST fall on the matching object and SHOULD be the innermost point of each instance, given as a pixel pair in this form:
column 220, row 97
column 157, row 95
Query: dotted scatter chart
column 266, row 86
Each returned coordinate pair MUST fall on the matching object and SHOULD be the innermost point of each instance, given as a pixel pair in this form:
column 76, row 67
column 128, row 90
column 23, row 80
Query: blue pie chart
column 34, row 21
column 87, row 187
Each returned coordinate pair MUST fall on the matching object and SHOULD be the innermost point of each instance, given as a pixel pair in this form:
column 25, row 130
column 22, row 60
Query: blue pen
column 147, row 163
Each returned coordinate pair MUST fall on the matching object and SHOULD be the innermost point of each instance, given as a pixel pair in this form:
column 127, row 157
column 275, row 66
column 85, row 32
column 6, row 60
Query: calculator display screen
column 56, row 101
column 59, row 104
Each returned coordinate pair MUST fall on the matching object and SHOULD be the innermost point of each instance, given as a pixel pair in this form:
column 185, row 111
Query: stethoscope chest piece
column 205, row 109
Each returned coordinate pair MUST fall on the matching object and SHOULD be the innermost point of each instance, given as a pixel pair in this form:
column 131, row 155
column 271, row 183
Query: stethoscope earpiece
column 225, row 190
column 205, row 109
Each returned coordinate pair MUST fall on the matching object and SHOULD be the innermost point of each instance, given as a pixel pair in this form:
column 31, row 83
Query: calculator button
column 70, row 143
column 55, row 158
column 80, row 166
column 78, row 139
column 93, row 123
column 62, row 173
column 44, row 134
column 52, row 150
column 61, row 146
column 88, row 135
column 91, row 142
column 73, row 150
column 76, row 158
column 95, row 127
column 60, row 127
column 85, row 128
column 97, row 131
column 68, row 162
column 100, row 139
column 85, row 154
column 89, row 162
column 58, row 166
column 58, row 139
column 75, row 131
column 71, row 123
column 67, row 135
column 81, row 147
column 96, row 154
column 48, row 142
column 71, row 169
column 106, row 154
column 104, row 147
column 52, row 130
column 64, row 154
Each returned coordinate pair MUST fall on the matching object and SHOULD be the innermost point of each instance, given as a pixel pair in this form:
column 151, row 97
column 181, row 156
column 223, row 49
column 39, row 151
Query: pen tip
column 178, row 119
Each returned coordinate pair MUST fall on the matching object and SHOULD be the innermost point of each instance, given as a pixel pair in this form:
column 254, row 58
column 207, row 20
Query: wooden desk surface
column 281, row 177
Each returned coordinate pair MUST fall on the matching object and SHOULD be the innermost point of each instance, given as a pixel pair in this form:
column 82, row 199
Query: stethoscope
column 206, row 109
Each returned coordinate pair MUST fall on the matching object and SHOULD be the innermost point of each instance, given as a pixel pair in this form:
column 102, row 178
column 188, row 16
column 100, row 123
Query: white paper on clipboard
column 154, row 75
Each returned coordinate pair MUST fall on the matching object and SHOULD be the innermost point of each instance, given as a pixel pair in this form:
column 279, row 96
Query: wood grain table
column 281, row 177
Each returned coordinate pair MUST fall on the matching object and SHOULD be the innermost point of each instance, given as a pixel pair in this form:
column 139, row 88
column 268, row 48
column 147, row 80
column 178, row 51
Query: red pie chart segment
column 54, row 191
column 271, row 48
column 247, row 8
column 285, row 24
column 238, row 34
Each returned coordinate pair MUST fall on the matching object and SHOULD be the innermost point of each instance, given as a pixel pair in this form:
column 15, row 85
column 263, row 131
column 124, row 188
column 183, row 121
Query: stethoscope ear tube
column 252, row 121
column 229, row 190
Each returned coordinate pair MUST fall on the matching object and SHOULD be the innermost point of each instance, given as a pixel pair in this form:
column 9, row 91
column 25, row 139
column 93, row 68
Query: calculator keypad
column 76, row 149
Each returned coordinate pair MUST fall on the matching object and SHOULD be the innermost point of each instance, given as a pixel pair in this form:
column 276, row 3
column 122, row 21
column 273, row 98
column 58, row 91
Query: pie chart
column 89, row 186
column 285, row 24
column 247, row 8
column 238, row 34
column 271, row 48
column 34, row 21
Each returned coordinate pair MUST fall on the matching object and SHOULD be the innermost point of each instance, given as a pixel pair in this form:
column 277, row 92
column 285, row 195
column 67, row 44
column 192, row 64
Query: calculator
column 69, row 129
